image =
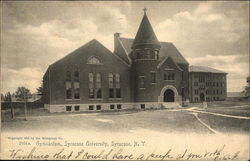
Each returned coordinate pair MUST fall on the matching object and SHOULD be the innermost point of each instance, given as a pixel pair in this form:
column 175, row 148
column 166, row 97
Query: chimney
column 116, row 37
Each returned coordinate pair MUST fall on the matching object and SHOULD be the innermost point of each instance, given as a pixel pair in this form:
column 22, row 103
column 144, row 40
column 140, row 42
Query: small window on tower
column 157, row 54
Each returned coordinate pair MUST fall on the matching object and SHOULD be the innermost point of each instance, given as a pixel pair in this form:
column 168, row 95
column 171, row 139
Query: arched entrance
column 168, row 96
column 202, row 97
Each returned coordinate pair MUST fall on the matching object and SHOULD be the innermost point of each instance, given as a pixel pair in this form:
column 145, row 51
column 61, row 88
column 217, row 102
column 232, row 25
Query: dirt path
column 217, row 114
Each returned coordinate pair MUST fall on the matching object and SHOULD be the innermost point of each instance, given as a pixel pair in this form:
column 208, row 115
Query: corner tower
column 146, row 39
column 145, row 58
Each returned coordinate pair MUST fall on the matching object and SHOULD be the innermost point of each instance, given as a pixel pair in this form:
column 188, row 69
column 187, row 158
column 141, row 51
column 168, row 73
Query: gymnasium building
column 141, row 73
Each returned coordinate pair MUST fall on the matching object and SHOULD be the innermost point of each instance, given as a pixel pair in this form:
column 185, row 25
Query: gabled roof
column 145, row 33
column 91, row 46
column 204, row 69
column 166, row 58
column 167, row 49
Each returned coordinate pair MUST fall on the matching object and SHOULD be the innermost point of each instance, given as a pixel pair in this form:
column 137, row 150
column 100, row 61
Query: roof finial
column 145, row 10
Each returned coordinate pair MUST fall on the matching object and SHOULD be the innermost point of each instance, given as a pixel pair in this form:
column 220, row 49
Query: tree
column 8, row 98
column 40, row 91
column 23, row 94
column 2, row 98
column 247, row 88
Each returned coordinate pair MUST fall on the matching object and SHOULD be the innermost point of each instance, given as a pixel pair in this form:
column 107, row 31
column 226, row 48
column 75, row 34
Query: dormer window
column 94, row 60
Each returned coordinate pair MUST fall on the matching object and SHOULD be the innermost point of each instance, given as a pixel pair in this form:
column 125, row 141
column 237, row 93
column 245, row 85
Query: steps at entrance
column 171, row 105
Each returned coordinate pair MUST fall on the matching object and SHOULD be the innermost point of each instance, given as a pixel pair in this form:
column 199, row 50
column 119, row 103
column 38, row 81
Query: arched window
column 111, row 80
column 165, row 76
column 76, row 76
column 91, row 85
column 111, row 85
column 118, row 86
column 68, row 76
column 68, row 90
column 169, row 76
column 76, row 90
column 117, row 80
column 94, row 60
column 98, row 86
column 172, row 78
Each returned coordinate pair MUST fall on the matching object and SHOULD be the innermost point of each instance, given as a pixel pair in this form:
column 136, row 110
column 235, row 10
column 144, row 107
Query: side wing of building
column 207, row 84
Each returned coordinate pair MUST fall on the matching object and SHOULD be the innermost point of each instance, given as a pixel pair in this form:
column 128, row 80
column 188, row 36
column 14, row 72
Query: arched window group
column 169, row 76
column 72, row 85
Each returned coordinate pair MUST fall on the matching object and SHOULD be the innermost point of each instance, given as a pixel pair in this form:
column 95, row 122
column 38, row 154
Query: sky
column 35, row 34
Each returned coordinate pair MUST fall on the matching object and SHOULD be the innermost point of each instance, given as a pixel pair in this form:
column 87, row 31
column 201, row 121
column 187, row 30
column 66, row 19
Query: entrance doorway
column 202, row 97
column 169, row 95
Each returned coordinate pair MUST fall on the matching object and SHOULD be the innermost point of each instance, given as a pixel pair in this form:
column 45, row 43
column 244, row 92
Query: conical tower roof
column 145, row 33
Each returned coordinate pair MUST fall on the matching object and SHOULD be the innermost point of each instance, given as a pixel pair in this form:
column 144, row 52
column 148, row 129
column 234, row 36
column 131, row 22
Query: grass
column 159, row 120
column 225, row 124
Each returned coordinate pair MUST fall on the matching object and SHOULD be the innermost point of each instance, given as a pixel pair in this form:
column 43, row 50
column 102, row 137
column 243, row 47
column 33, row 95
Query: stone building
column 207, row 84
column 140, row 73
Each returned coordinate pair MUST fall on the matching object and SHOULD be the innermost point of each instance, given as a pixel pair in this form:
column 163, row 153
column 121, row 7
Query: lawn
column 226, row 124
column 158, row 120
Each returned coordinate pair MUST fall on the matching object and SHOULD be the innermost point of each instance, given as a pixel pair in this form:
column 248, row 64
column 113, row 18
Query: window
column 138, row 55
column 152, row 55
column 98, row 86
column 142, row 106
column 94, row 60
column 91, row 107
column 68, row 76
column 76, row 90
column 172, row 76
column 153, row 77
column 118, row 86
column 169, row 76
column 165, row 76
column 119, row 106
column 68, row 108
column 76, row 76
column 98, row 107
column 112, row 107
column 195, row 83
column 77, row 108
column 91, row 85
column 147, row 53
column 157, row 54
column 196, row 91
column 68, row 90
column 111, row 85
column 142, row 82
